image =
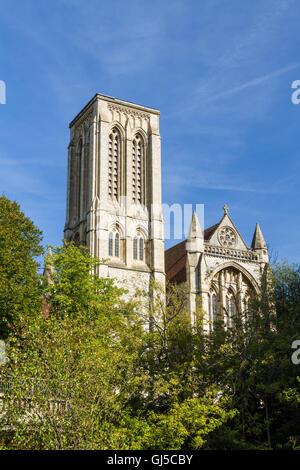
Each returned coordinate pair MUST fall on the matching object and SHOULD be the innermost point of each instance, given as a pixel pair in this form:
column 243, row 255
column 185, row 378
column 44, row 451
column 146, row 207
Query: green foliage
column 89, row 375
column 72, row 286
column 253, row 363
column 19, row 279
column 87, row 372
column 187, row 423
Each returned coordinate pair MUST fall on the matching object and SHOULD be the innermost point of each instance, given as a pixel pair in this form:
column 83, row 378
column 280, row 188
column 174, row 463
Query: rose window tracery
column 227, row 237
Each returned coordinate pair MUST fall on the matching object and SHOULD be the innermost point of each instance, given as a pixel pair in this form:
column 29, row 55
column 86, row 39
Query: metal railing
column 35, row 386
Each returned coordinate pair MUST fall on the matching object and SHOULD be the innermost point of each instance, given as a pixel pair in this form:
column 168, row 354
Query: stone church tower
column 114, row 190
column 114, row 208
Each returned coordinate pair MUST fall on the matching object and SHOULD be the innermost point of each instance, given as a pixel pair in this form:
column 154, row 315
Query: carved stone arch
column 238, row 267
column 232, row 290
column 116, row 237
column 140, row 130
column 140, row 245
column 214, row 288
column 119, row 226
column 142, row 230
column 119, row 127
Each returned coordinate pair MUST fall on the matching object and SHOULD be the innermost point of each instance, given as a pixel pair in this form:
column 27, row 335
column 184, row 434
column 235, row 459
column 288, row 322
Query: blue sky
column 219, row 71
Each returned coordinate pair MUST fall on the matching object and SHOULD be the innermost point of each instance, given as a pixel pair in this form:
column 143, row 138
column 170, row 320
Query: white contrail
column 254, row 82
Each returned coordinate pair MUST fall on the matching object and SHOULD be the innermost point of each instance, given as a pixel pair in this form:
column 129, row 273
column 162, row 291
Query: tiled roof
column 175, row 258
column 210, row 231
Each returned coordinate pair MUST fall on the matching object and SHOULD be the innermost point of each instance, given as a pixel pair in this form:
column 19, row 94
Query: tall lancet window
column 141, row 249
column 137, row 170
column 209, row 312
column 86, row 175
column 114, row 248
column 212, row 308
column 114, row 165
column 78, row 179
column 230, row 309
column 135, row 249
column 138, row 247
column 110, row 244
column 117, row 245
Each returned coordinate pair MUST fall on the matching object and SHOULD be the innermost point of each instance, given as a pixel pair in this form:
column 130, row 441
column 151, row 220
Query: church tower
column 114, row 190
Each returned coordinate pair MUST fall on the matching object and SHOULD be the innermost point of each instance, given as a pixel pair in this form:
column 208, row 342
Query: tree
column 20, row 245
column 88, row 375
column 71, row 374
column 256, row 367
column 72, row 286
column 183, row 408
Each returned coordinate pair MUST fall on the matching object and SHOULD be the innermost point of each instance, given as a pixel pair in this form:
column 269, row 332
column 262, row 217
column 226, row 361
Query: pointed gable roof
column 175, row 257
column 226, row 221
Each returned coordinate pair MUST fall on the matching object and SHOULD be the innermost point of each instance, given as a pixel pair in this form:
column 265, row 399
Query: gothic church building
column 114, row 207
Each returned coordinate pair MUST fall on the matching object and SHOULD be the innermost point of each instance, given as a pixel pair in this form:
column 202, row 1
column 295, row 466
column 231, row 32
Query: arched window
column 138, row 247
column 135, row 254
column 110, row 244
column 86, row 174
column 78, row 179
column 227, row 312
column 141, row 249
column 137, row 170
column 114, row 243
column 230, row 308
column 117, row 245
column 246, row 303
column 212, row 308
column 209, row 311
column 114, row 148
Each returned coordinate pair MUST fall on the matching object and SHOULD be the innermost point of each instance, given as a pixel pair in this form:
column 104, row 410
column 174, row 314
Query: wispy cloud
column 252, row 83
column 25, row 162
column 215, row 180
column 218, row 72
